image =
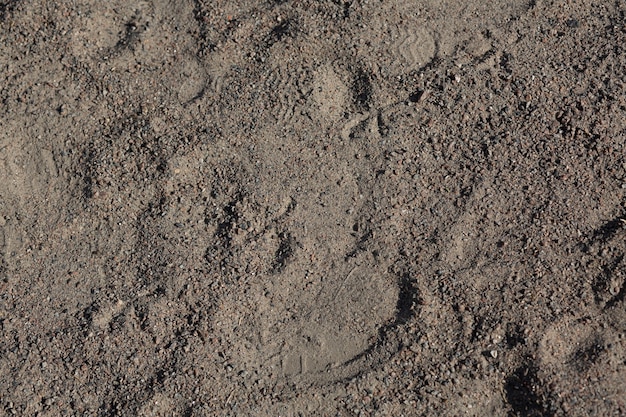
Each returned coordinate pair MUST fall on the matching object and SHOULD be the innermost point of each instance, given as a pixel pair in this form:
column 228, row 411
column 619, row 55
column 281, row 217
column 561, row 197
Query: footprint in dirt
column 306, row 300
column 590, row 350
column 29, row 179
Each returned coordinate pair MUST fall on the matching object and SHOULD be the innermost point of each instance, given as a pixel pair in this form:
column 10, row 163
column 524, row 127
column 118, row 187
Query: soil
column 351, row 208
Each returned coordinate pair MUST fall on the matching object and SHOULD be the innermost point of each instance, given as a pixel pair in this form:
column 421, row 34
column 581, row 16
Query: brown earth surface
column 333, row 207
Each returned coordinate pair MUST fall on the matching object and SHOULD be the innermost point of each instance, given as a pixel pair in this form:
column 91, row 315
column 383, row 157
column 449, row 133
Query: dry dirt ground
column 332, row 207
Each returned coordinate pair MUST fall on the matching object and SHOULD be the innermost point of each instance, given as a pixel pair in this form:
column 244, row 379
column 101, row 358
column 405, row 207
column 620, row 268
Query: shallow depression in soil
column 285, row 330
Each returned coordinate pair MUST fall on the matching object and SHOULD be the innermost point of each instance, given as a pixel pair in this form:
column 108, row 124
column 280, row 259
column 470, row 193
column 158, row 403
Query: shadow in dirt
column 521, row 393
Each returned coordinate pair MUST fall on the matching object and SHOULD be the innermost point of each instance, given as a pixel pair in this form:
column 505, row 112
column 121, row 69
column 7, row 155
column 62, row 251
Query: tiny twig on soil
column 343, row 283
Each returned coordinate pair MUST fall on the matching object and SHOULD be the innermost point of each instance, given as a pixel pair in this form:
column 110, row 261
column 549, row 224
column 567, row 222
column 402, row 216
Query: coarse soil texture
column 313, row 208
